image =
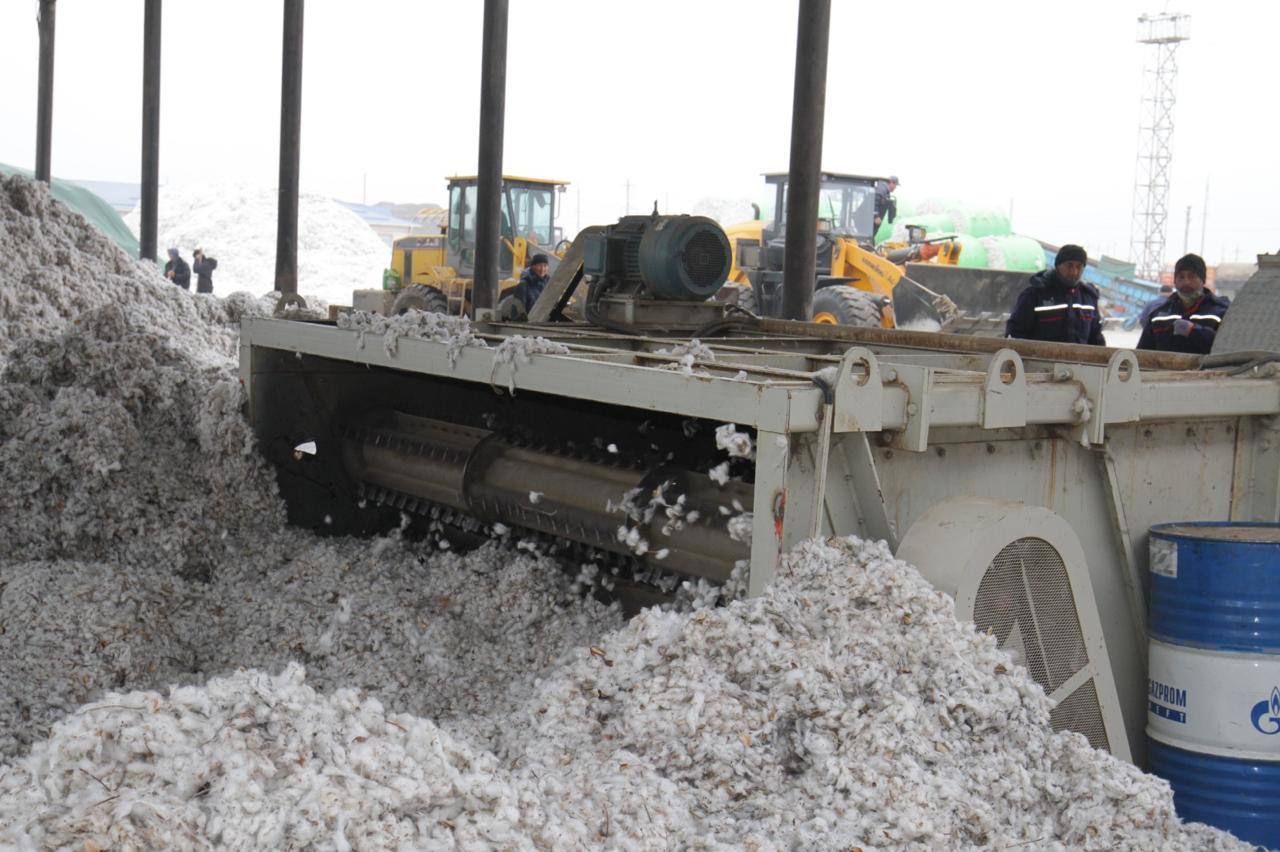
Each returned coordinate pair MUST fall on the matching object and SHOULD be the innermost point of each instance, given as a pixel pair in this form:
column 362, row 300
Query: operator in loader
column 1188, row 320
column 1057, row 306
column 886, row 204
column 532, row 281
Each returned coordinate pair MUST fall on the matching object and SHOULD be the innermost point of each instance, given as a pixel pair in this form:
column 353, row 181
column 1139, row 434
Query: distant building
column 383, row 220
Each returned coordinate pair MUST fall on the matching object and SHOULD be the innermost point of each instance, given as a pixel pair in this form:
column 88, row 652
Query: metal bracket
column 1004, row 396
column 1122, row 396
column 1111, row 394
column 859, row 400
column 917, row 380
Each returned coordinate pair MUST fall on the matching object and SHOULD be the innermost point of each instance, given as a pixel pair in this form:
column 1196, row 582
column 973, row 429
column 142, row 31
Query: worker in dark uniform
column 177, row 270
column 1057, row 305
column 533, row 281
column 203, row 268
column 1188, row 320
column 886, row 204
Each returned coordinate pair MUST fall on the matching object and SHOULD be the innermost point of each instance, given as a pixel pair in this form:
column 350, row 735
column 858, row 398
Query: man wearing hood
column 1057, row 306
column 177, row 270
column 1188, row 320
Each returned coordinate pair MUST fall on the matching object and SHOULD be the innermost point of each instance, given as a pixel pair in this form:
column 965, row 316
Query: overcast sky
column 1029, row 106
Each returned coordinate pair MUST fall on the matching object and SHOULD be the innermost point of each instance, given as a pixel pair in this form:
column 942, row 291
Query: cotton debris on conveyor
column 156, row 616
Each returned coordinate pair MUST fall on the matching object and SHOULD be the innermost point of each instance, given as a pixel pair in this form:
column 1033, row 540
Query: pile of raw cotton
column 235, row 224
column 178, row 669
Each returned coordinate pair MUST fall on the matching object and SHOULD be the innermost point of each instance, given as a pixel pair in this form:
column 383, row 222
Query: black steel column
column 147, row 212
column 290, row 139
column 493, row 95
column 44, row 98
column 807, row 104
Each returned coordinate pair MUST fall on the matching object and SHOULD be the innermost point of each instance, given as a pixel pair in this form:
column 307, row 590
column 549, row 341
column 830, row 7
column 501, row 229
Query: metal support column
column 493, row 94
column 44, row 98
column 150, row 189
column 807, row 104
column 290, row 146
column 790, row 487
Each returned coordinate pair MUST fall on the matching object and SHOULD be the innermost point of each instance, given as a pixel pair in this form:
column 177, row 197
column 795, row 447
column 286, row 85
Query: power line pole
column 1204, row 215
column 44, row 93
column 1186, row 233
column 1163, row 33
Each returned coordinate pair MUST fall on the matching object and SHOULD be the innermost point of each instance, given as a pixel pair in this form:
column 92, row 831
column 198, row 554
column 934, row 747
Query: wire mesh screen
column 1081, row 712
column 1025, row 600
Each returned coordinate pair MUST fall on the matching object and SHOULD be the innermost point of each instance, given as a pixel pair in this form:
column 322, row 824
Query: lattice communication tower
column 1163, row 33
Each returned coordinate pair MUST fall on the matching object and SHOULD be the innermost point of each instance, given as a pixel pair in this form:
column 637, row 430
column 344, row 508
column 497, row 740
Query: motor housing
column 675, row 258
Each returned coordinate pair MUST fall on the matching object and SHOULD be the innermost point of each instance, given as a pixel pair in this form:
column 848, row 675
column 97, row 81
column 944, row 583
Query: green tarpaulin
column 91, row 207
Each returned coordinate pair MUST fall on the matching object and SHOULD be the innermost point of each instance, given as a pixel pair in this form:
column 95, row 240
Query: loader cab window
column 843, row 208
column 533, row 207
column 462, row 217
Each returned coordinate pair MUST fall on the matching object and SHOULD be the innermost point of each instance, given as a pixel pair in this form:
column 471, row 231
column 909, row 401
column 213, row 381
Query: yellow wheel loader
column 433, row 272
column 856, row 284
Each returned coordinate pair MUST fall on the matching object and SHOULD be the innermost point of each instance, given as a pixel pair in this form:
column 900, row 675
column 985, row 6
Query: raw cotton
column 455, row 332
column 236, row 224
column 688, row 353
column 846, row 707
column 736, row 444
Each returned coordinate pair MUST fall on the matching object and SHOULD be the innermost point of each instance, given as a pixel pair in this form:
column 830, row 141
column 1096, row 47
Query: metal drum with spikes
column 1213, row 688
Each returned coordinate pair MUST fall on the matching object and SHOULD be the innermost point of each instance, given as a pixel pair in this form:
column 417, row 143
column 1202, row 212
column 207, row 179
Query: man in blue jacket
column 1057, row 306
column 1188, row 321
column 533, row 281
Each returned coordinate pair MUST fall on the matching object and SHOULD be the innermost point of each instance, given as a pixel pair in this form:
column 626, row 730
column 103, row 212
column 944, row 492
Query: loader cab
column 527, row 222
column 846, row 205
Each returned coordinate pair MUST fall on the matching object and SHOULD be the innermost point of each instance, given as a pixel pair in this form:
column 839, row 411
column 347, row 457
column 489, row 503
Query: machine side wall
column 1158, row 472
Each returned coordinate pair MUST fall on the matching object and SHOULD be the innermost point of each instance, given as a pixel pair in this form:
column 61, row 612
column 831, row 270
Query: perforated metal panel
column 1019, row 572
column 1081, row 712
column 1026, row 596
column 1025, row 600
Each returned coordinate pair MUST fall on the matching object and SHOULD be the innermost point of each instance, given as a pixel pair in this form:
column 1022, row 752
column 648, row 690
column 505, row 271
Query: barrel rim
column 1167, row 528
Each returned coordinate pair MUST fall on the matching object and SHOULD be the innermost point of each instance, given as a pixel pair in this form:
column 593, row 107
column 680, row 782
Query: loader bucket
column 983, row 297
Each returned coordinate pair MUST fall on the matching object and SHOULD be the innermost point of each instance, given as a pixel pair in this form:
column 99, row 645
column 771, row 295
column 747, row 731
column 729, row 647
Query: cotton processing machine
column 1019, row 477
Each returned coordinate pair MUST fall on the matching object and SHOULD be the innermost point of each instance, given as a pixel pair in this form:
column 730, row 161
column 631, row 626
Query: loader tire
column 841, row 304
column 746, row 296
column 421, row 297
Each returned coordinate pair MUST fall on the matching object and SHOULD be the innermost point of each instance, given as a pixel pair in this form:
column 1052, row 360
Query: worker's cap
column 197, row 250
column 1192, row 263
column 894, row 178
column 539, row 258
column 173, row 252
column 1069, row 253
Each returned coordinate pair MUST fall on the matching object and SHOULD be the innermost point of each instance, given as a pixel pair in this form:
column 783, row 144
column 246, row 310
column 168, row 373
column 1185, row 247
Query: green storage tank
column 986, row 223
column 1012, row 252
column 973, row 252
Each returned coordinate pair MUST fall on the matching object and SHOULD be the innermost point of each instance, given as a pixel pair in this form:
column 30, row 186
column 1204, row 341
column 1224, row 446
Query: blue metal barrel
column 1213, row 689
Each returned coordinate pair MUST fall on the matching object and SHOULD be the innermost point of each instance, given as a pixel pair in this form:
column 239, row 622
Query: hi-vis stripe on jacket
column 1161, row 332
column 1048, row 309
